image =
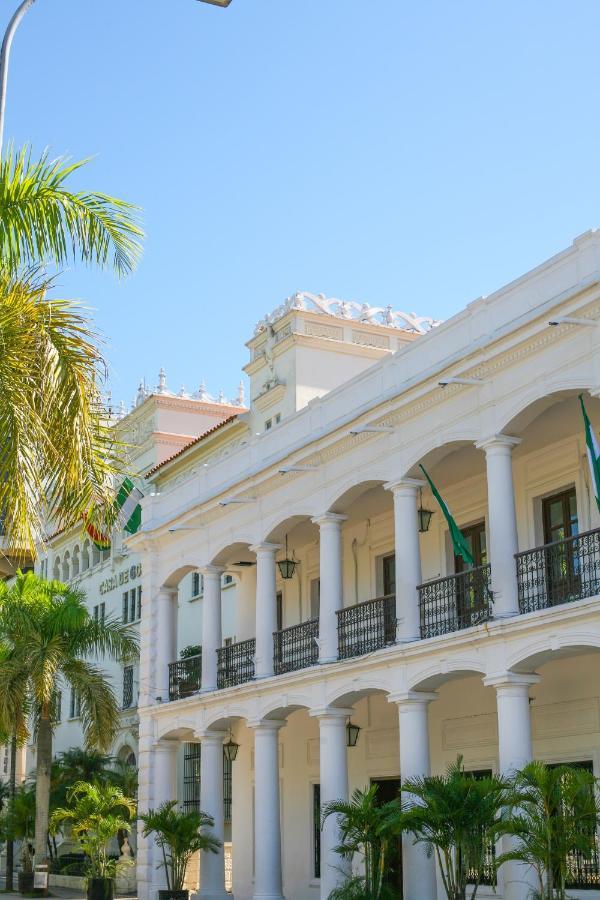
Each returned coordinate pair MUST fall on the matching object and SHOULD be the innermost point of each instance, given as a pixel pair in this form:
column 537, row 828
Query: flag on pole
column 126, row 507
column 593, row 452
column 458, row 539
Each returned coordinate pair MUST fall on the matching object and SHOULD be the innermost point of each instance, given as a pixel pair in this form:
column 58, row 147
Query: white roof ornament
column 162, row 382
column 241, row 395
column 349, row 309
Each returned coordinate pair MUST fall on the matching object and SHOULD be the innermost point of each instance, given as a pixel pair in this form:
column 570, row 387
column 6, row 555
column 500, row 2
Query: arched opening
column 56, row 569
column 85, row 556
column 95, row 555
column 76, row 561
column 66, row 567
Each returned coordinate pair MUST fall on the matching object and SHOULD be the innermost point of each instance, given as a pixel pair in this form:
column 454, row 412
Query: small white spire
column 122, row 409
column 222, row 396
column 141, row 393
column 182, row 392
column 162, row 381
column 202, row 391
column 241, row 395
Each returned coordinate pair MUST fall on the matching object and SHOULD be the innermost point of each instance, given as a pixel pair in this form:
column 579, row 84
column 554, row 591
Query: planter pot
column 25, row 882
column 100, row 889
column 173, row 895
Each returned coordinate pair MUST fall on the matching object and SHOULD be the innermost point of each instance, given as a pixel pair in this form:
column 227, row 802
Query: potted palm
column 18, row 824
column 95, row 814
column 179, row 835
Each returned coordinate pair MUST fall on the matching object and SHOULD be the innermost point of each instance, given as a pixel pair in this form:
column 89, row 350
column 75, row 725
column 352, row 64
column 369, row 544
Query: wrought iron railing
column 185, row 677
column 560, row 572
column 366, row 626
column 455, row 602
column 296, row 647
column 235, row 663
column 583, row 872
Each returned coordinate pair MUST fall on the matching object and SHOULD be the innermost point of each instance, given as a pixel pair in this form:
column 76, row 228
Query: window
column 139, row 602
column 389, row 575
column 563, row 565
column 227, row 580
column 125, row 608
column 127, row 687
column 57, row 707
column 316, row 830
column 5, row 761
column 476, row 542
column 268, row 424
column 191, row 777
column 582, row 872
column 132, row 604
column 197, row 584
column 100, row 612
column 487, row 875
column 75, row 707
column 278, row 418
column 279, row 601
column 227, row 787
column 315, row 597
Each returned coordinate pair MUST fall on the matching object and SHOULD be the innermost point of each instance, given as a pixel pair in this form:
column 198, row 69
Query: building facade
column 159, row 424
column 325, row 590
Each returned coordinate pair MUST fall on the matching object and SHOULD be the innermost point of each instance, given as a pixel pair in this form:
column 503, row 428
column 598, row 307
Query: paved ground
column 62, row 893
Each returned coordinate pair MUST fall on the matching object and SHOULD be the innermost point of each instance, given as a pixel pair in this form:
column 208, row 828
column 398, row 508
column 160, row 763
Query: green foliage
column 179, row 835
column 555, row 812
column 42, row 221
column 355, row 888
column 366, row 828
column 18, row 817
column 458, row 817
column 191, row 650
column 96, row 812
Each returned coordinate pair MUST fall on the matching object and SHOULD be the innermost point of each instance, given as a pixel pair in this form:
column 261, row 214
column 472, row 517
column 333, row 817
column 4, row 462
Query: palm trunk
column 42, row 784
column 12, row 787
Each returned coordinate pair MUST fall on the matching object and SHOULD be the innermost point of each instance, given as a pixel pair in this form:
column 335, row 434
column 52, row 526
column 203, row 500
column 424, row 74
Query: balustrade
column 296, row 647
column 366, row 627
column 235, row 663
column 560, row 572
column 455, row 602
column 185, row 677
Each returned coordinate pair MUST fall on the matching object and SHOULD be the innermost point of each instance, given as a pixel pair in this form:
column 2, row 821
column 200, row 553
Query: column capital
column 407, row 699
column 212, row 737
column 329, row 518
column 406, row 486
column 511, row 680
column 331, row 712
column 169, row 592
column 265, row 549
column 162, row 746
column 211, row 570
column 505, row 442
column 265, row 724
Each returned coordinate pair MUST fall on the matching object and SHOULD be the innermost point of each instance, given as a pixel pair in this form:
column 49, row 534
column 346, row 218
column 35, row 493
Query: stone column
column 418, row 870
column 502, row 520
column 267, row 813
column 211, row 626
column 164, row 650
column 332, row 598
column 408, row 557
column 212, row 865
column 158, row 783
column 514, row 751
column 266, row 608
column 334, row 786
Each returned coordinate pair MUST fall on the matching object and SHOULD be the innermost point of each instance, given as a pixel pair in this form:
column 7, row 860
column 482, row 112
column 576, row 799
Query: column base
column 328, row 659
column 214, row 895
column 267, row 897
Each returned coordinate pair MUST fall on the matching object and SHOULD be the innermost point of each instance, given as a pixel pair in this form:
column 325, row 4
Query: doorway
column 559, row 515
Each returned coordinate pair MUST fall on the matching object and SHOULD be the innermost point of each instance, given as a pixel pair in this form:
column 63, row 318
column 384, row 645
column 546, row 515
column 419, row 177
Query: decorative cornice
column 349, row 310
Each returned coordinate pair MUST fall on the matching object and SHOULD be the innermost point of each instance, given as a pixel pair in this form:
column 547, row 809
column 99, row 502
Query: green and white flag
column 127, row 504
column 593, row 452
column 461, row 547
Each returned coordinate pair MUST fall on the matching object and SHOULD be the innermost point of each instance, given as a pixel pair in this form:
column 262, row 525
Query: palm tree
column 96, row 812
column 42, row 221
column 459, row 818
column 58, row 456
column 556, row 817
column 46, row 637
column 366, row 828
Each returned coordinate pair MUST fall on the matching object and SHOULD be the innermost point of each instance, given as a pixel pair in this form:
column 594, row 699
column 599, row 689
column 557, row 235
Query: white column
column 333, row 761
column 514, row 751
column 211, row 625
column 266, row 608
column 418, row 870
column 164, row 650
column 158, row 783
column 267, row 813
column 332, row 597
column 408, row 557
column 212, row 865
column 502, row 520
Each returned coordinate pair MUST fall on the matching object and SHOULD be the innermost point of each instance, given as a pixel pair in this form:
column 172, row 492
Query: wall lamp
column 573, row 320
column 447, row 381
column 285, row 469
column 352, row 732
column 373, row 429
column 186, row 528
column 229, row 501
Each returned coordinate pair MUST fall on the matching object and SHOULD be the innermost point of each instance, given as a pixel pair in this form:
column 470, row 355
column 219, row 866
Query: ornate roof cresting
column 349, row 309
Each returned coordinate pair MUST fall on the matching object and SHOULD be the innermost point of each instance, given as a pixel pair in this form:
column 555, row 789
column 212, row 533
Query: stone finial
column 202, row 391
column 122, row 409
column 141, row 393
column 241, row 395
column 162, row 381
column 222, row 398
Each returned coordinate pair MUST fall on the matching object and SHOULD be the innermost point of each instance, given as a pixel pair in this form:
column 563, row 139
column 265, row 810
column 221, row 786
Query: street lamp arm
column 4, row 55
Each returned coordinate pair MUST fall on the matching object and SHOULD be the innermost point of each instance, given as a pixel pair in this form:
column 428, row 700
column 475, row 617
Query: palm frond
column 42, row 221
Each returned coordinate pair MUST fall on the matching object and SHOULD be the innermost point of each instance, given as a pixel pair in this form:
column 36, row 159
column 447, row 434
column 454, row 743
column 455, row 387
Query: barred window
column 227, row 787
column 132, row 604
column 127, row 687
column 197, row 584
column 57, row 706
column 316, row 830
column 100, row 613
column 125, row 608
column 139, row 602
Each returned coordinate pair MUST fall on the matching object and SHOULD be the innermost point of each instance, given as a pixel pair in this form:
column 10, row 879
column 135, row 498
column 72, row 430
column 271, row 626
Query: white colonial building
column 291, row 555
column 159, row 424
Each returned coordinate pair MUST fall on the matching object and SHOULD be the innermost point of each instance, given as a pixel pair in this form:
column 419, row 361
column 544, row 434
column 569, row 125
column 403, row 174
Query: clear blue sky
column 413, row 153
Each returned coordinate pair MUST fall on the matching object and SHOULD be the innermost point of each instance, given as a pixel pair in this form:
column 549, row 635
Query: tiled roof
column 192, row 443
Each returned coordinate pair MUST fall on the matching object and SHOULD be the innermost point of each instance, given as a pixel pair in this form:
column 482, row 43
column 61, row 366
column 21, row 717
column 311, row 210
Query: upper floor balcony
column 379, row 567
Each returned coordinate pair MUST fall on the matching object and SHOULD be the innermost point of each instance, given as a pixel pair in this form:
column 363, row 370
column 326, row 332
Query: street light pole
column 4, row 55
column 7, row 42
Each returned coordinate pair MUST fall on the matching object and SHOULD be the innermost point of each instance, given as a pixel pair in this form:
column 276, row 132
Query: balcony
column 296, row 647
column 366, row 627
column 185, row 677
column 561, row 572
column 235, row 663
column 455, row 602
